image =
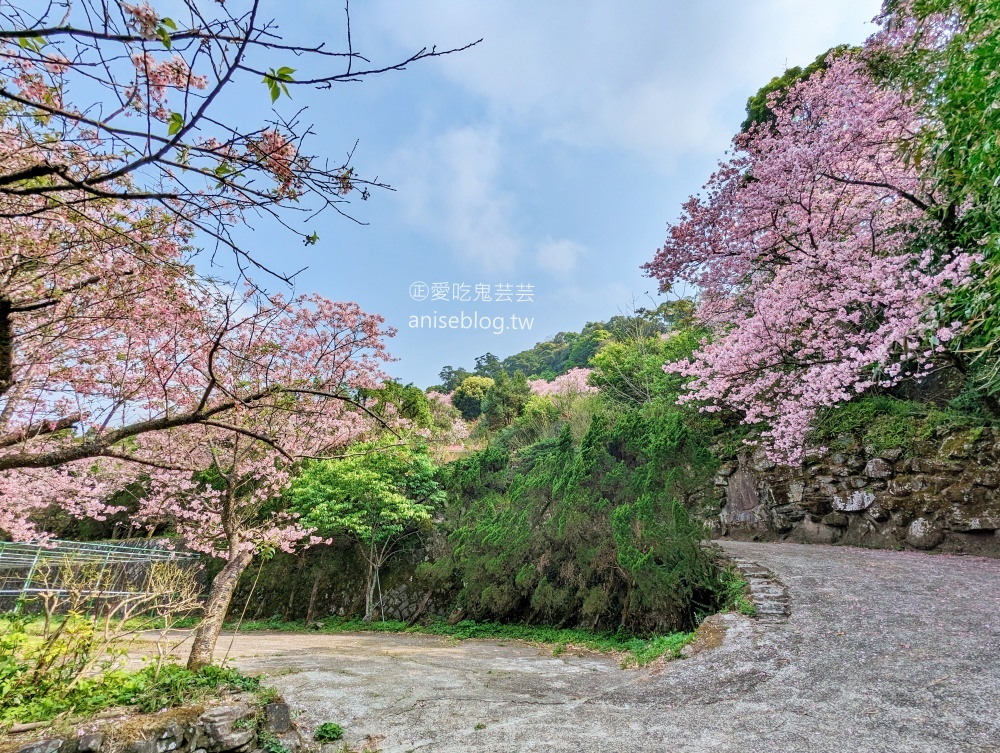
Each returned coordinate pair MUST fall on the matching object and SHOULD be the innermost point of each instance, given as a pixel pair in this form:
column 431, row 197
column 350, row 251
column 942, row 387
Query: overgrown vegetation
column 62, row 655
column 578, row 513
column 883, row 422
column 736, row 593
column 39, row 679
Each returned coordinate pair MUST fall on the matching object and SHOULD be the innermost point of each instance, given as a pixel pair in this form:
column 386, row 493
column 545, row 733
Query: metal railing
column 120, row 566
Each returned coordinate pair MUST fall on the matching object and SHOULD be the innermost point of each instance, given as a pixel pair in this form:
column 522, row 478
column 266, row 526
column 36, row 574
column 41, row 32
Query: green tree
column 468, row 396
column 947, row 62
column 393, row 400
column 375, row 495
column 451, row 378
column 631, row 371
column 504, row 401
column 488, row 365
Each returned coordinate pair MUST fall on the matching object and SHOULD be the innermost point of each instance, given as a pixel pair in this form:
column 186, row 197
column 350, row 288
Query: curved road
column 883, row 651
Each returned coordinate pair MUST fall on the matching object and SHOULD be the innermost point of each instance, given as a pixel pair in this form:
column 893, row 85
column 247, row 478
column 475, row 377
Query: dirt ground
column 884, row 651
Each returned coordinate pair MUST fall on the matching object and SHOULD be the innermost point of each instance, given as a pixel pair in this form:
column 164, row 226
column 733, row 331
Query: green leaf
column 175, row 123
column 169, row 23
column 276, row 81
column 35, row 44
column 164, row 36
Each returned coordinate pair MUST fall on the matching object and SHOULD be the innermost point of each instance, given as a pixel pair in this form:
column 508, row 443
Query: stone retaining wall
column 937, row 494
column 232, row 727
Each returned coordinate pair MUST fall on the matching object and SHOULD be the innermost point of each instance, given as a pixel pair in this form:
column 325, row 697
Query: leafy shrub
column 587, row 531
column 328, row 732
column 270, row 742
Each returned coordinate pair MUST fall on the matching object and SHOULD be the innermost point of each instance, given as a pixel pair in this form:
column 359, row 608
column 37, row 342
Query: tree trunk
column 420, row 610
column 313, row 595
column 370, row 594
column 290, row 609
column 216, row 606
column 626, row 605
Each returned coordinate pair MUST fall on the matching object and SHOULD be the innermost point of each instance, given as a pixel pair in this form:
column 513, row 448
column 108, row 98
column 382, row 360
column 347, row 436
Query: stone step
column 771, row 608
column 769, row 596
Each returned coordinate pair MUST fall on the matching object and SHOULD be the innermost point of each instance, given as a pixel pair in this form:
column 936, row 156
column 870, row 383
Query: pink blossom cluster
column 155, row 78
column 142, row 18
column 278, row 155
column 806, row 252
column 573, row 382
column 439, row 397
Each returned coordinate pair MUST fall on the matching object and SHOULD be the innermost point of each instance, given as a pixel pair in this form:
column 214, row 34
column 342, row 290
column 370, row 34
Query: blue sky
column 551, row 155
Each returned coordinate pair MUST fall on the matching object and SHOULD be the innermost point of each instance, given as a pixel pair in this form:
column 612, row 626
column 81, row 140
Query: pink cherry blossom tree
column 806, row 249
column 141, row 90
column 116, row 361
column 573, row 382
column 219, row 481
column 107, row 335
column 112, row 350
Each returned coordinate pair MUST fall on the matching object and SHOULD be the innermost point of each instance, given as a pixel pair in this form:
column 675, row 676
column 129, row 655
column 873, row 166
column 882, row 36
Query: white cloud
column 450, row 188
column 651, row 77
column 559, row 257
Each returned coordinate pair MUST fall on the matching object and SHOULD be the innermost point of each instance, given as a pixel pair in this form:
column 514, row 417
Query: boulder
column 89, row 743
column 856, row 501
column 796, row 491
column 923, row 534
column 933, row 465
column 292, row 741
column 959, row 446
column 967, row 519
column 836, row 519
column 761, row 462
column 808, row 532
column 170, row 738
column 42, row 746
column 827, row 486
column 878, row 468
column 881, row 509
column 902, row 486
column 741, row 500
column 983, row 477
column 278, row 717
column 221, row 731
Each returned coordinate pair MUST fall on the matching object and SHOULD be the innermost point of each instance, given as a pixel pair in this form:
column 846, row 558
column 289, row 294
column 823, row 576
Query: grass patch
column 884, row 423
column 157, row 623
column 145, row 691
column 636, row 651
column 736, row 593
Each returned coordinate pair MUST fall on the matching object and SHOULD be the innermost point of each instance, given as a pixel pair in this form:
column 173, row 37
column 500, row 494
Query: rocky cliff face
column 942, row 493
